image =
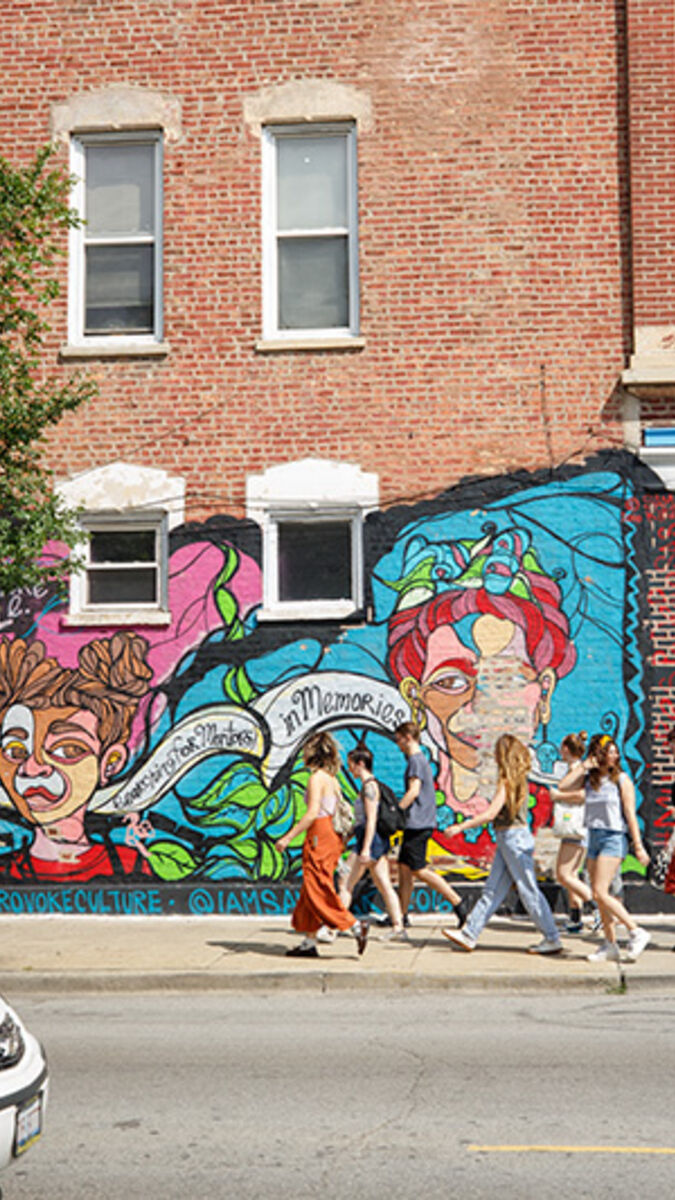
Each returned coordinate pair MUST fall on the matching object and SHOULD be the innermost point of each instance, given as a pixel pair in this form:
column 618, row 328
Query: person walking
column 609, row 812
column 514, row 857
column 318, row 903
column 419, row 805
column 371, row 847
column 572, row 848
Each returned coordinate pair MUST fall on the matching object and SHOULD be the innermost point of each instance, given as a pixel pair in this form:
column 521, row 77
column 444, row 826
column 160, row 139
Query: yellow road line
column 574, row 1149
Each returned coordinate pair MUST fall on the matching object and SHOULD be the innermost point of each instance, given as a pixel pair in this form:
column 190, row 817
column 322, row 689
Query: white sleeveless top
column 603, row 808
column 327, row 802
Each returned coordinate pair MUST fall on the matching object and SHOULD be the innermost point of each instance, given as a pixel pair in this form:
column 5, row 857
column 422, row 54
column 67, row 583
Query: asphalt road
column 294, row 1095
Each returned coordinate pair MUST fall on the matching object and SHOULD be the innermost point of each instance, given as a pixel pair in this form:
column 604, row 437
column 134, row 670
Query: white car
column 24, row 1084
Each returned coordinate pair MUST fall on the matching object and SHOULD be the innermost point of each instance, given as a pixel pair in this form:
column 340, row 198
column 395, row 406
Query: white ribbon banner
column 280, row 720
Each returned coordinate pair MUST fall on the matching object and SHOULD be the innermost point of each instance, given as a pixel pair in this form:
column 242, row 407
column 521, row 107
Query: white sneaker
column 596, row 922
column 546, row 946
column 459, row 938
column 637, row 941
column 606, row 952
column 324, row 934
column 396, row 935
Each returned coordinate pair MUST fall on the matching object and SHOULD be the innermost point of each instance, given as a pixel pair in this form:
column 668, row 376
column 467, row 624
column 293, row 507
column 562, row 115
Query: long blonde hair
column 513, row 765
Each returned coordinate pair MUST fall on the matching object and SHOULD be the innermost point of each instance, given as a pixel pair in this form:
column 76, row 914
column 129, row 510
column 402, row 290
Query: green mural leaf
column 225, row 602
column 238, row 687
column 271, row 864
column 233, row 787
column 220, row 806
column 632, row 865
column 247, row 849
column 230, row 565
column 170, row 860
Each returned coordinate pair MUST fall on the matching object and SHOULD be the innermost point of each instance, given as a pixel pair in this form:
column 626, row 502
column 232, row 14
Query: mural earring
column 547, row 752
column 547, row 681
column 112, row 766
column 408, row 688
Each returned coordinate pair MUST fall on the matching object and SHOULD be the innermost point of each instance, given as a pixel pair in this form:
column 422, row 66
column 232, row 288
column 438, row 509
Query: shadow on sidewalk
column 278, row 950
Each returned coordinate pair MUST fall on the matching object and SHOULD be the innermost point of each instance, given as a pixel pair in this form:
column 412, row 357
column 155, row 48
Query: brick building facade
column 340, row 259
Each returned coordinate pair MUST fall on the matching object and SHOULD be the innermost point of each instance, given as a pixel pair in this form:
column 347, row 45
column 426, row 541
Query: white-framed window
column 311, row 514
column 125, row 568
column 128, row 512
column 312, row 563
column 115, row 269
column 310, row 231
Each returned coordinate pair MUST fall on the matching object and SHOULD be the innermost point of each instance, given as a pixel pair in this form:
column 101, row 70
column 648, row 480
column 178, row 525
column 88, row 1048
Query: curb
column 28, row 983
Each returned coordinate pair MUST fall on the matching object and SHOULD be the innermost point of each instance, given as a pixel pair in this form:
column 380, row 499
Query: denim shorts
column 608, row 843
column 378, row 846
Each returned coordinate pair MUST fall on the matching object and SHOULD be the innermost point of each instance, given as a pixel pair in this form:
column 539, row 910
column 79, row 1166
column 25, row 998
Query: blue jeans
column 513, row 863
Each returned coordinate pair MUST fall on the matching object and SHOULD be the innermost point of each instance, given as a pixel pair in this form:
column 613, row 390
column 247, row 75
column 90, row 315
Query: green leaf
column 225, row 602
column 271, row 863
column 238, row 687
column 632, row 865
column 35, row 216
column 170, row 860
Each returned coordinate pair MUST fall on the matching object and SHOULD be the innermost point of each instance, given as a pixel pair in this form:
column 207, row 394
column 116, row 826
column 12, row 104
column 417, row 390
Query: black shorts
column 414, row 848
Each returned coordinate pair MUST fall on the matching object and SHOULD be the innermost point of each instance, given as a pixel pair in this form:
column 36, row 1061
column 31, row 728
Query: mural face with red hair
column 477, row 644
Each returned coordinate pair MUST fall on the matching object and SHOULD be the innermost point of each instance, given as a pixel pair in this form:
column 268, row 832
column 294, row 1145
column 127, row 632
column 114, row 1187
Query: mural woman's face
column 50, row 761
column 471, row 696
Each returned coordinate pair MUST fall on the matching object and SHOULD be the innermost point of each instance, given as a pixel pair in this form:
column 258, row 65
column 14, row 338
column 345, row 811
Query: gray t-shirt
column 422, row 811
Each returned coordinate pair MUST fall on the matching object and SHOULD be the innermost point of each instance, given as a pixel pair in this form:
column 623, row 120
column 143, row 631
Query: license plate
column 28, row 1124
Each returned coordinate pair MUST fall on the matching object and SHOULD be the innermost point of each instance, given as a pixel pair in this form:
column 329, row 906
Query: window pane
column 312, row 182
column 120, row 289
column 136, row 586
column 122, row 546
column 120, row 189
column 313, row 283
column 315, row 560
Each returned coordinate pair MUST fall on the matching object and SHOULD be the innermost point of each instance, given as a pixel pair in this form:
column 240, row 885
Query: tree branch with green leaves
column 35, row 215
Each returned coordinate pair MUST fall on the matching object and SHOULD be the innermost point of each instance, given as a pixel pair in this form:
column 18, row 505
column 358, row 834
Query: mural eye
column 69, row 751
column 454, row 682
column 15, row 750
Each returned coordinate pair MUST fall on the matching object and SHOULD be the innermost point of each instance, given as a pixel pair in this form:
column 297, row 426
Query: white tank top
column 603, row 808
column 327, row 802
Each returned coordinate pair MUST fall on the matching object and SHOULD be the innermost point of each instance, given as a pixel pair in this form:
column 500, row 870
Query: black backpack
column 390, row 818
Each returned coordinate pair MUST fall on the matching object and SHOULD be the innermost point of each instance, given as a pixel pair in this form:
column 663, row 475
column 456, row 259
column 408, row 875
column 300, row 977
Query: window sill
column 338, row 610
column 137, row 616
column 121, row 349
column 279, row 345
column 661, row 459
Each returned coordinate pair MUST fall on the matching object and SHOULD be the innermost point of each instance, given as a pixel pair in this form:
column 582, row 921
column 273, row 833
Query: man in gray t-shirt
column 419, row 803
column 422, row 811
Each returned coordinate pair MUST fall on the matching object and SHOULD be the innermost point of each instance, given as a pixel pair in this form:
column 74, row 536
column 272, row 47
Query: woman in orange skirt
column 318, row 903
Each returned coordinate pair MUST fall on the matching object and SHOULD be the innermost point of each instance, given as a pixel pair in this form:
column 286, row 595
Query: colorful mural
column 169, row 758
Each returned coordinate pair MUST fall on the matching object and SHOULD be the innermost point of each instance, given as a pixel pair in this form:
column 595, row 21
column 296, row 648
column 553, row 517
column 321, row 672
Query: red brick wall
column 651, row 29
column 490, row 224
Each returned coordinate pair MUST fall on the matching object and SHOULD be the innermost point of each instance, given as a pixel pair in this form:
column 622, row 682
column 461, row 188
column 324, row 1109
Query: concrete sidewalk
column 58, row 954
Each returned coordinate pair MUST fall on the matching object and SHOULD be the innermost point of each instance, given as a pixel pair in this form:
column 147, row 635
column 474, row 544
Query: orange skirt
column 318, row 903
